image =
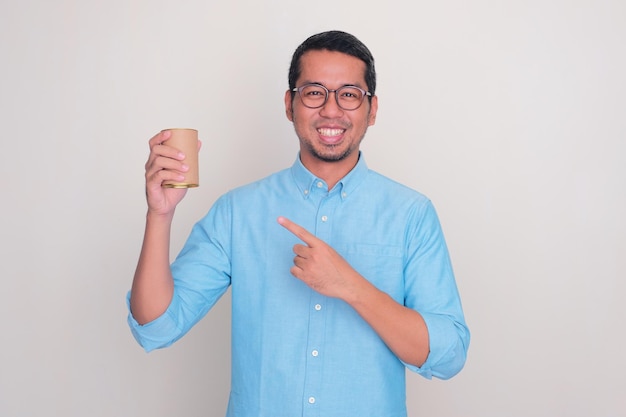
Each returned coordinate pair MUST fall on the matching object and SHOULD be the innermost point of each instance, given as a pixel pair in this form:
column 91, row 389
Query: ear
column 371, row 117
column 288, row 105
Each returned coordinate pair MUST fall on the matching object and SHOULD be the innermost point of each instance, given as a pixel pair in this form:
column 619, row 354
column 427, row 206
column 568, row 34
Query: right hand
column 164, row 163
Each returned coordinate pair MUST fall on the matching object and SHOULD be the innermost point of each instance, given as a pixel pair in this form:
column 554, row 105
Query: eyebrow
column 305, row 82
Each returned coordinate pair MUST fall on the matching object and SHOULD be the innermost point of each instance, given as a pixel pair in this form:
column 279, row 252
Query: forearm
column 402, row 329
column 153, row 285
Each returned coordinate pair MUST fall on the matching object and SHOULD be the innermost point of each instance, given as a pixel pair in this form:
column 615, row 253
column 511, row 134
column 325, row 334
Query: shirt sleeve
column 159, row 333
column 430, row 289
column 201, row 275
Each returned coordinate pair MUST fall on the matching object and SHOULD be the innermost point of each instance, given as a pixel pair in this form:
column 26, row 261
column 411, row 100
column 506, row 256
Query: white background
column 510, row 115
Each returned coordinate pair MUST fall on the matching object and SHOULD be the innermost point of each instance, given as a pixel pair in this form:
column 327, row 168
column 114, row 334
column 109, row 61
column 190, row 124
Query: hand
column 319, row 266
column 324, row 270
column 164, row 163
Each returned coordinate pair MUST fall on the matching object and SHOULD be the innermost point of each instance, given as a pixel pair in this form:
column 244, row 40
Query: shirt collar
column 306, row 181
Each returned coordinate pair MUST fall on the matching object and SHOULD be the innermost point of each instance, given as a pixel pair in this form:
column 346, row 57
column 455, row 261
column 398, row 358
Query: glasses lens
column 350, row 98
column 313, row 95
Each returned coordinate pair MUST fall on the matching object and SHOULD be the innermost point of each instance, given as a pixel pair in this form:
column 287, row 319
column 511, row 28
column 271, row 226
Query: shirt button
column 306, row 192
column 315, row 353
column 320, row 184
column 324, row 218
column 311, row 400
column 344, row 194
column 318, row 307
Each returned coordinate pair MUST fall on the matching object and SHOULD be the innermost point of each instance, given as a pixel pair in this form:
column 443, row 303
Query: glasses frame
column 328, row 91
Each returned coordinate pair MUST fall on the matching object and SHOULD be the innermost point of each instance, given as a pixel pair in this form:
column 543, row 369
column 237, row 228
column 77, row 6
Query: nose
column 331, row 108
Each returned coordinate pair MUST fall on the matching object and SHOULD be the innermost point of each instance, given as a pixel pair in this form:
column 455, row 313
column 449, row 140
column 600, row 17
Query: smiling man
column 340, row 277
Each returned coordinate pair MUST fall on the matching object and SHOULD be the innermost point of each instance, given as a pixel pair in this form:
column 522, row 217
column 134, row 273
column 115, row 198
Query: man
column 340, row 277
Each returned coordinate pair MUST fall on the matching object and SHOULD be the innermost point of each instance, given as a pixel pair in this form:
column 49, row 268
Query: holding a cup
column 186, row 141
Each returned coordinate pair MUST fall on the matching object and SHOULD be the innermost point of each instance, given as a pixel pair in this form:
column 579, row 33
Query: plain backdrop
column 509, row 115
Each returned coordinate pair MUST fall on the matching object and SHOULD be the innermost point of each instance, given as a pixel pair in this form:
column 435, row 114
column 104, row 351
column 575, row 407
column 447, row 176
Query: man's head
column 331, row 74
column 336, row 41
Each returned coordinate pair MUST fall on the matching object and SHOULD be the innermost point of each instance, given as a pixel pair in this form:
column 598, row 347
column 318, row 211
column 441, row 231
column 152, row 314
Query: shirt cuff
column 444, row 359
column 159, row 333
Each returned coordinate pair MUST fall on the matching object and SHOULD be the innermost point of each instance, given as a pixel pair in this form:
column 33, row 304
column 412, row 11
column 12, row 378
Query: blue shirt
column 294, row 351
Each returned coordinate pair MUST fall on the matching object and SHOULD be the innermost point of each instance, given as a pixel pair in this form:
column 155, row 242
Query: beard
column 328, row 153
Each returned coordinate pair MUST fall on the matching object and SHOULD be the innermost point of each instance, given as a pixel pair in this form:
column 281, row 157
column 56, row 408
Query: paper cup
column 186, row 141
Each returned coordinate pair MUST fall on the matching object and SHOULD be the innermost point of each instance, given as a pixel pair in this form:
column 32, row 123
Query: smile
column 330, row 132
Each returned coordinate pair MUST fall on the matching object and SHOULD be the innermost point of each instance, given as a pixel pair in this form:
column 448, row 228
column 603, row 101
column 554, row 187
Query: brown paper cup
column 186, row 141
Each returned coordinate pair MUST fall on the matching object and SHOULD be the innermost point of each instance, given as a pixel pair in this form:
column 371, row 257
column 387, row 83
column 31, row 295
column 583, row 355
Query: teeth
column 330, row 132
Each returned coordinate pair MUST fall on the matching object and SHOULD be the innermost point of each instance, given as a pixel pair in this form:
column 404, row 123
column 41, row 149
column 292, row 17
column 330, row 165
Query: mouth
column 331, row 135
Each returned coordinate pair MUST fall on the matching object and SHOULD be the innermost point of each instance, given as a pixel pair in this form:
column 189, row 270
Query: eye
column 313, row 91
column 350, row 93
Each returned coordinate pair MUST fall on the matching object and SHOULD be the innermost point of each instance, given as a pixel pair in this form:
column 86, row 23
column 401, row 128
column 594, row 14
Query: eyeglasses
column 315, row 96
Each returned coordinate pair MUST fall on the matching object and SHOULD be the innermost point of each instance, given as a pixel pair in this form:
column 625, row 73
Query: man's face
column 329, row 133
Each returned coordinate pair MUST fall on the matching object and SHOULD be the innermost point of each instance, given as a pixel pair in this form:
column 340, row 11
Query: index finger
column 299, row 231
column 159, row 138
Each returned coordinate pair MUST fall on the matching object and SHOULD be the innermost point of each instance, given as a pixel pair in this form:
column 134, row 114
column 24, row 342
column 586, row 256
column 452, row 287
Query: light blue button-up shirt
column 296, row 352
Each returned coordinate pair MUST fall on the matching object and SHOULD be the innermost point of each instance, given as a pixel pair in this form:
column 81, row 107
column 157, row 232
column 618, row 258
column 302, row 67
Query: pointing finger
column 299, row 231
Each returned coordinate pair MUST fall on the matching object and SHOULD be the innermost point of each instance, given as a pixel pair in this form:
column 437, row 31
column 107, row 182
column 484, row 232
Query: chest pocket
column 382, row 265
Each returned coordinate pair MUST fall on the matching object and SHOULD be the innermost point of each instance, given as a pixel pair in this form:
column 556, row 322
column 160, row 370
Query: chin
column 332, row 156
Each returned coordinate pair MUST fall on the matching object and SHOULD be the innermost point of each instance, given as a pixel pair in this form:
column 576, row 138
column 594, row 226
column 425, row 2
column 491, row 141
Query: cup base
column 180, row 185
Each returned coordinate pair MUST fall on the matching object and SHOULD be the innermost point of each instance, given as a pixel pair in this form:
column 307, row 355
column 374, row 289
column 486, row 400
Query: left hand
column 325, row 271
column 319, row 266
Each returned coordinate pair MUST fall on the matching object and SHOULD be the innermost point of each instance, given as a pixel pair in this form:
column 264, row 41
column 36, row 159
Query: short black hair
column 336, row 41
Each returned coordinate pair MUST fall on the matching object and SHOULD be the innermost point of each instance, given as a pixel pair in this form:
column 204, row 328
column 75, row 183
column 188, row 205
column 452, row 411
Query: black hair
column 336, row 41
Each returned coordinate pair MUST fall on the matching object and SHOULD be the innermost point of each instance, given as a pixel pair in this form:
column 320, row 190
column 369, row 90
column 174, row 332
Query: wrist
column 359, row 292
column 153, row 216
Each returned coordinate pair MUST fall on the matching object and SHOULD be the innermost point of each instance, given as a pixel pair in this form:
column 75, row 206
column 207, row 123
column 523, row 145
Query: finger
column 298, row 262
column 159, row 138
column 163, row 165
column 168, row 170
column 163, row 156
column 163, row 162
column 164, row 150
column 157, row 150
column 159, row 147
column 299, row 231
column 296, row 271
column 301, row 251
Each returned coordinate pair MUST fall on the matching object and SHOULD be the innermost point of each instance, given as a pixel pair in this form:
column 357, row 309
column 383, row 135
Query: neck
column 330, row 171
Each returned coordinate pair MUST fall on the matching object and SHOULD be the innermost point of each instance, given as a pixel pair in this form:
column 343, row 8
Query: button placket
column 318, row 312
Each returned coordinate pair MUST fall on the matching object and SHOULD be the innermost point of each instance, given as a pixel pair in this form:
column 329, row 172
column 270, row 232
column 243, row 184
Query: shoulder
column 273, row 181
column 388, row 187
column 248, row 194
